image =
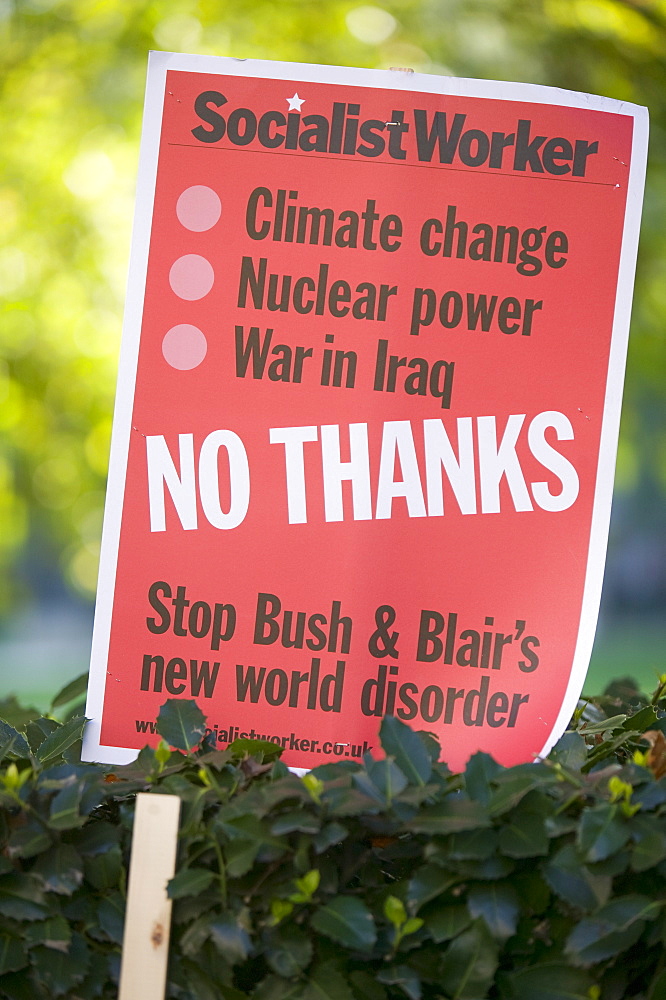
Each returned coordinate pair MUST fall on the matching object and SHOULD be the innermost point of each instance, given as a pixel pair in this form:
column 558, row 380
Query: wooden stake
column 148, row 918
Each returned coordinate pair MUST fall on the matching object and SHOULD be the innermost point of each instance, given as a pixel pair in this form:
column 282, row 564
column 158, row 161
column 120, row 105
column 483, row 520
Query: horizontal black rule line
column 394, row 163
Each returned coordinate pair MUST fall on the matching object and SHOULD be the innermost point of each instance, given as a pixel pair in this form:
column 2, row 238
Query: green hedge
column 377, row 881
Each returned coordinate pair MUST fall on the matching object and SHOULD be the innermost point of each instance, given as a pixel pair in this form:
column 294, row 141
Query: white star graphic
column 294, row 102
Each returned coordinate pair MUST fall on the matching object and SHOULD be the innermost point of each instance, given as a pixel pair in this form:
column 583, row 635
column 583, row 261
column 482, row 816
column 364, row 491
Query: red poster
column 368, row 407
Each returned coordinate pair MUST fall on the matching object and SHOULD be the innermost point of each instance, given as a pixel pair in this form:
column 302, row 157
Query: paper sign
column 368, row 407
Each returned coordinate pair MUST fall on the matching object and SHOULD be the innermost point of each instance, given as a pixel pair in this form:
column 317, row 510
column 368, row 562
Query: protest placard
column 368, row 407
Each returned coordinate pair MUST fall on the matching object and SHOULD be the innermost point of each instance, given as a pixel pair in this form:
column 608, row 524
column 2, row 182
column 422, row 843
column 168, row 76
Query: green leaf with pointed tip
column 407, row 749
column 497, row 904
column 404, row 977
column 103, row 870
column 603, row 830
column 650, row 843
column 569, row 751
column 111, row 916
column 611, row 930
column 12, row 741
column 60, row 739
column 447, row 922
column 60, row 972
column 54, row 933
column 480, row 771
column 469, row 963
column 327, row 983
column 64, row 814
column 640, row 721
column 348, row 921
column 572, row 881
column 73, row 690
column 181, row 723
column 232, row 941
column 427, row 883
column 28, row 841
column 21, row 897
column 475, row 845
column 60, row 869
column 603, row 725
column 190, row 882
column 248, row 839
column 524, row 836
column 549, row 981
column 394, row 910
column 387, row 778
column 450, row 816
column 289, row 951
column 514, row 783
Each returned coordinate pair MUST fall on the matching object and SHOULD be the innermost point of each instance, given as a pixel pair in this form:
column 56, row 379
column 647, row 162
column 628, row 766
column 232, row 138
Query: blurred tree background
column 72, row 75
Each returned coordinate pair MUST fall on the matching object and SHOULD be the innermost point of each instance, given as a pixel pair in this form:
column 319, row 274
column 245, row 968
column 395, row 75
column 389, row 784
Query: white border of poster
column 159, row 64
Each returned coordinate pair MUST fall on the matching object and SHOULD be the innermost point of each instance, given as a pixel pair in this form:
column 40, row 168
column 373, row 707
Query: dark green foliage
column 385, row 880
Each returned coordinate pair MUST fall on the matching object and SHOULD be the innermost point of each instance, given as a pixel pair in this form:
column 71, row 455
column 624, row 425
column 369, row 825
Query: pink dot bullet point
column 191, row 276
column 198, row 208
column 184, row 347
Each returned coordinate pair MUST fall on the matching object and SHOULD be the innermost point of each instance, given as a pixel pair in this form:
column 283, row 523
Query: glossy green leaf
column 572, row 881
column 394, row 910
column 11, row 741
column 289, row 951
column 611, row 930
column 603, row 831
column 524, row 836
column 387, row 777
column 407, row 749
column 190, row 882
column 331, row 833
column 60, row 869
column 403, row 976
column 60, row 739
column 498, row 905
column 569, row 751
column 428, row 883
column 104, row 870
column 479, row 775
column 548, row 981
column 327, row 983
column 450, row 816
column 61, row 971
column 181, row 723
column 347, row 921
column 469, row 963
column 514, row 784
column 639, row 722
column 65, row 811
column 231, row 939
column 649, row 847
column 446, row 922
column 472, row 845
column 21, row 897
column 75, row 689
column 111, row 916
column 28, row 841
column 55, row 933
column 248, row 840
